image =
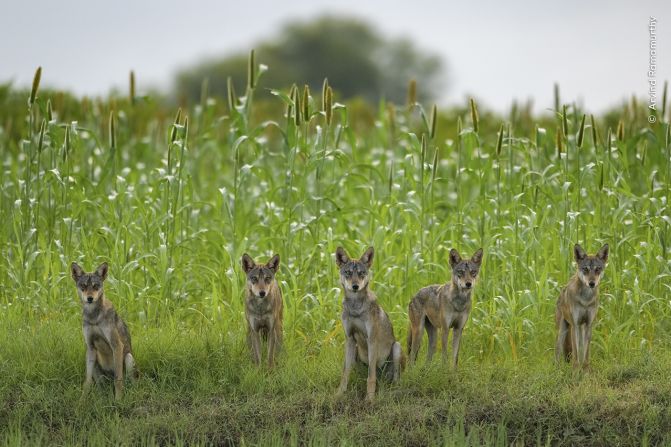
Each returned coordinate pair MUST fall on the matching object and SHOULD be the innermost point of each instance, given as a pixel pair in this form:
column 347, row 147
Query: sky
column 498, row 51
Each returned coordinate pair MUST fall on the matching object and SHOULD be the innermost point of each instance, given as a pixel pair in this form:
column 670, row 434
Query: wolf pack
column 369, row 334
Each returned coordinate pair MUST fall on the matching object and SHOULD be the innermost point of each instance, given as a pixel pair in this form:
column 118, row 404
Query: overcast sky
column 498, row 51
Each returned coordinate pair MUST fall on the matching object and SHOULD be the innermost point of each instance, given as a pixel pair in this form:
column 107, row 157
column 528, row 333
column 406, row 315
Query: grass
column 173, row 202
column 198, row 386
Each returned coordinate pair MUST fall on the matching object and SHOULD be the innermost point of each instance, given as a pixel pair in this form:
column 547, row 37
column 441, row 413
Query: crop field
column 172, row 199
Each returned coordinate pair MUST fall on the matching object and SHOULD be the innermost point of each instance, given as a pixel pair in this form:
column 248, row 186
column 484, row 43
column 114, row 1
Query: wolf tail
column 131, row 367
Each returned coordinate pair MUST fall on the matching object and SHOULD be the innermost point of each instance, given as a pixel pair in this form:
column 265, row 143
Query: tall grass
column 172, row 203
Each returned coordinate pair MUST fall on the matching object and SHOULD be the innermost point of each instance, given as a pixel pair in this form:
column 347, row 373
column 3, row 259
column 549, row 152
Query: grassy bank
column 172, row 203
column 199, row 386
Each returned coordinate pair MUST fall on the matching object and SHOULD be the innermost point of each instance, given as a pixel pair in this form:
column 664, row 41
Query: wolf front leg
column 432, row 335
column 576, row 345
column 254, row 341
column 272, row 335
column 456, row 342
column 350, row 356
column 562, row 333
column 90, row 366
column 118, row 359
column 587, row 338
column 444, row 334
column 372, row 371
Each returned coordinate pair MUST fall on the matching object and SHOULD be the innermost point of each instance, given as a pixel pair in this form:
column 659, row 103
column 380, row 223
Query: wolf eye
column 82, row 286
column 585, row 269
column 597, row 270
column 268, row 278
column 474, row 272
column 348, row 273
column 254, row 278
column 460, row 273
column 96, row 286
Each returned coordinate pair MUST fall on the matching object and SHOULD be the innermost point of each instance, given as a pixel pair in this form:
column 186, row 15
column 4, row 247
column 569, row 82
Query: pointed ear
column 102, row 271
column 477, row 257
column 76, row 271
column 274, row 263
column 603, row 253
column 578, row 253
column 367, row 257
column 247, row 263
column 455, row 258
column 341, row 257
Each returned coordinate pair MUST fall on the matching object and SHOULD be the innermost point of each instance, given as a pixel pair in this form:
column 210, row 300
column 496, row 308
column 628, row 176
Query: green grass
column 172, row 204
column 198, row 386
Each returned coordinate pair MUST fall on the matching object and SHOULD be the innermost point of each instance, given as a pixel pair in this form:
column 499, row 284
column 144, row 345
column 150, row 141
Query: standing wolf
column 368, row 330
column 444, row 307
column 263, row 307
column 108, row 346
column 577, row 306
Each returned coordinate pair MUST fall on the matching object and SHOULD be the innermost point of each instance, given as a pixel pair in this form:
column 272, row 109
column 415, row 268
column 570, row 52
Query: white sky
column 498, row 51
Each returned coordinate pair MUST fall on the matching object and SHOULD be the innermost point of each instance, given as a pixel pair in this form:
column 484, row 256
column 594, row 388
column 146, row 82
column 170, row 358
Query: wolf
column 444, row 307
column 577, row 306
column 263, row 307
column 369, row 335
column 107, row 339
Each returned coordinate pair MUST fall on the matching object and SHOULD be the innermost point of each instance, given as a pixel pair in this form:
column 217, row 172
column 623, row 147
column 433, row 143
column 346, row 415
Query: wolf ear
column 341, row 257
column 477, row 256
column 455, row 258
column 578, row 253
column 274, row 263
column 247, row 263
column 367, row 257
column 603, row 253
column 102, row 271
column 76, row 271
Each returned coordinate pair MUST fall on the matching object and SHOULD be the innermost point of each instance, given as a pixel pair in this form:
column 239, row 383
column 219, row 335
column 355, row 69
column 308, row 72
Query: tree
column 356, row 59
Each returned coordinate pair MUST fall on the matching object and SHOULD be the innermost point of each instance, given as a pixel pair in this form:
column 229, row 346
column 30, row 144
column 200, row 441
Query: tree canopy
column 356, row 59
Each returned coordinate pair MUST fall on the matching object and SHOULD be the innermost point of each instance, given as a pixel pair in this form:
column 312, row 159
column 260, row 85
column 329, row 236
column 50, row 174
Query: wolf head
column 354, row 272
column 590, row 268
column 89, row 285
column 260, row 277
column 465, row 271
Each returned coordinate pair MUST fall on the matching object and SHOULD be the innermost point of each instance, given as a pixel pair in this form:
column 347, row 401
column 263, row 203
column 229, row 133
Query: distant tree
column 356, row 59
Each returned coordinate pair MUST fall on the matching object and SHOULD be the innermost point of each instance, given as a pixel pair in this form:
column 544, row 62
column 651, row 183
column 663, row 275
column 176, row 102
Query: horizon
column 541, row 50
